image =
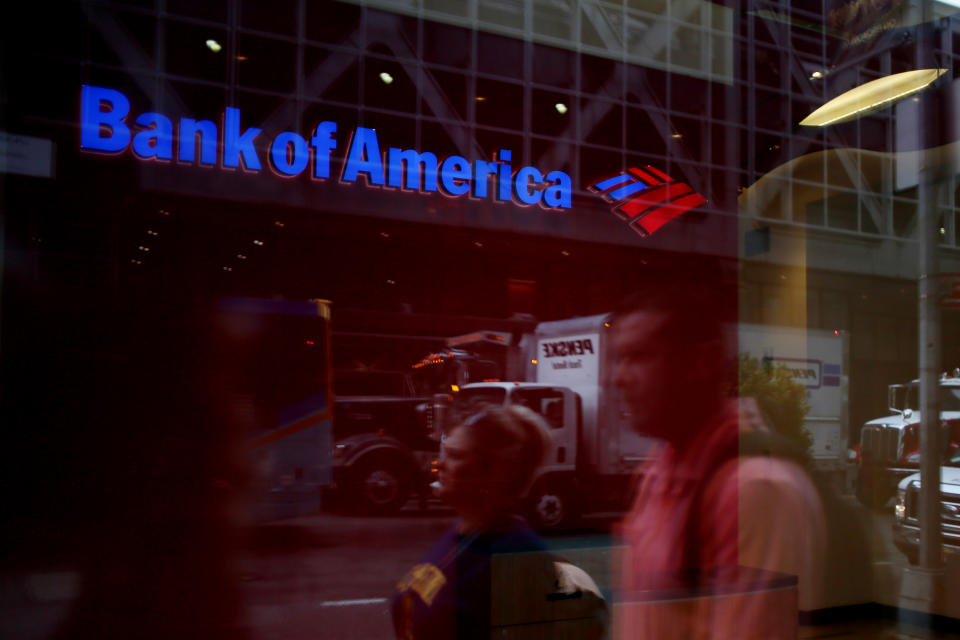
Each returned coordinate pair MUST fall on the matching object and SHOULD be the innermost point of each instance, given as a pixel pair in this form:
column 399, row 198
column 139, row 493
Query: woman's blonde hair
column 514, row 436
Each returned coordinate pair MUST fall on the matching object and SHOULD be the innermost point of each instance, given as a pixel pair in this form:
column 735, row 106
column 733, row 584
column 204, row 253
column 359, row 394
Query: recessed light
column 386, row 77
column 561, row 108
column 214, row 46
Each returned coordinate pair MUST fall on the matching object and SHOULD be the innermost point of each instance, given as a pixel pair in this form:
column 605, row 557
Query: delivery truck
column 817, row 360
column 592, row 467
column 890, row 446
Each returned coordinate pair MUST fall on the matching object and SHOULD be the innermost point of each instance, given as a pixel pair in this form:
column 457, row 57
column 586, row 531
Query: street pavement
column 330, row 577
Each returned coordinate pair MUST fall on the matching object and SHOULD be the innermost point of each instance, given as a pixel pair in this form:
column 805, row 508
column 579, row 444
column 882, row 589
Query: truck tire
column 872, row 491
column 380, row 486
column 550, row 505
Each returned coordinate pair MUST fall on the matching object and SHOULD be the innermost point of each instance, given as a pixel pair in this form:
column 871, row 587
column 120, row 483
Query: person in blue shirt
column 486, row 465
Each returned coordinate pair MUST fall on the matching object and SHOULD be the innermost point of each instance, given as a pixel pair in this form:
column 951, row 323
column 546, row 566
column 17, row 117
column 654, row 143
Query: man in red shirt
column 719, row 544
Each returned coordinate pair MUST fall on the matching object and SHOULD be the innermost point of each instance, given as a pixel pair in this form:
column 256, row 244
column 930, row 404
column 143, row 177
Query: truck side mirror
column 440, row 409
column 893, row 399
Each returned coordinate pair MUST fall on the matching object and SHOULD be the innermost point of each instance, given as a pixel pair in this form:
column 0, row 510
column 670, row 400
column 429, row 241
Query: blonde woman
column 486, row 464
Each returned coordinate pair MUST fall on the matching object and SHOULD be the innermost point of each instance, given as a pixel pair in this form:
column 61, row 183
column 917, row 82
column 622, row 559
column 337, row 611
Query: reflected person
column 705, row 510
column 486, row 465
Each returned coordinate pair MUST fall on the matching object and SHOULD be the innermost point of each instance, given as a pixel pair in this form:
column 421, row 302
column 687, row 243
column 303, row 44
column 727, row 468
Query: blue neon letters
column 105, row 128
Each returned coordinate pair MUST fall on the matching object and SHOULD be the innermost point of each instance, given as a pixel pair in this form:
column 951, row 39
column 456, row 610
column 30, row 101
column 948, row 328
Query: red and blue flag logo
column 647, row 198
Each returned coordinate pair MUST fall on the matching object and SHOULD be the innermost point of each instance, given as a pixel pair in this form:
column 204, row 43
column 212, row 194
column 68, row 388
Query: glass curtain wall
column 254, row 253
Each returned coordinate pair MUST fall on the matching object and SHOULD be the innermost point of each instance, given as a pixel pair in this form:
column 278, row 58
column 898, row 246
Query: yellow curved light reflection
column 871, row 96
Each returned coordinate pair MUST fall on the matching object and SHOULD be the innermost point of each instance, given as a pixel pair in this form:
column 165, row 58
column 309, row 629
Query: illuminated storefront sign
column 647, row 198
column 105, row 127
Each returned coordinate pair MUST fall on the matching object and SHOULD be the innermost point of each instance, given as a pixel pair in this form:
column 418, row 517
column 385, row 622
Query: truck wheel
column 381, row 487
column 872, row 491
column 550, row 506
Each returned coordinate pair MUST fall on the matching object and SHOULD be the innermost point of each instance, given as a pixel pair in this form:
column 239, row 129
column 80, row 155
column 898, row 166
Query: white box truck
column 568, row 381
column 816, row 359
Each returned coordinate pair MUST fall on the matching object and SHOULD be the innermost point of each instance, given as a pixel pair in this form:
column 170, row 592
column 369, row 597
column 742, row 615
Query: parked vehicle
column 906, row 525
column 384, row 445
column 567, row 380
column 281, row 368
column 890, row 446
column 816, row 359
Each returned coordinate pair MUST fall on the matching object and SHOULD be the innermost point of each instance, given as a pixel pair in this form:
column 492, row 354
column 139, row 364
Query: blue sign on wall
column 106, row 126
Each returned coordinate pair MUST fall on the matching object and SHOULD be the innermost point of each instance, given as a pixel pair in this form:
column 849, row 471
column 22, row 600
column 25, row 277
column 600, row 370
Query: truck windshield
column 488, row 395
column 954, row 459
column 434, row 378
column 547, row 402
column 949, row 398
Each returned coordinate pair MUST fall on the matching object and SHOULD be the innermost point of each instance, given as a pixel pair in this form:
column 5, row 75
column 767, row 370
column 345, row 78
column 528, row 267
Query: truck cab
column 386, row 442
column 890, row 446
column 597, row 451
column 906, row 525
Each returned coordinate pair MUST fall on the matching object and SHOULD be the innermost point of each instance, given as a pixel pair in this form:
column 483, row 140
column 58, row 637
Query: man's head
column 670, row 356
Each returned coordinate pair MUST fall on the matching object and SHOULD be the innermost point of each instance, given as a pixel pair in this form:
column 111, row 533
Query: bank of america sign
column 647, row 198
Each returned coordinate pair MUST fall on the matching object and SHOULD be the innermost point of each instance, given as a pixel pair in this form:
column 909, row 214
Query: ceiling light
column 214, row 46
column 259, row 243
column 816, row 75
column 561, row 108
column 386, row 77
column 871, row 96
column 242, row 58
column 480, row 99
column 676, row 136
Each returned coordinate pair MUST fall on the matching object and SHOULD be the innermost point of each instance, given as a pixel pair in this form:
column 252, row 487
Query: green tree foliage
column 782, row 400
